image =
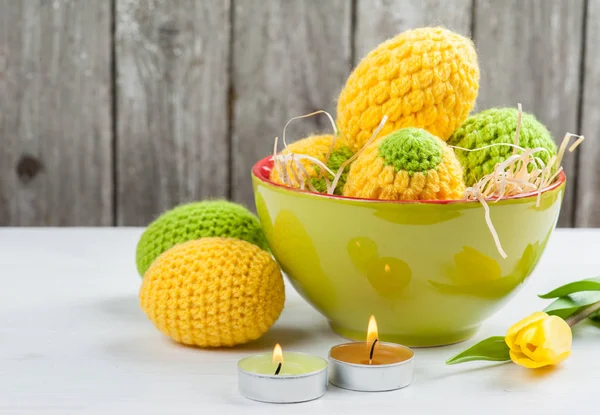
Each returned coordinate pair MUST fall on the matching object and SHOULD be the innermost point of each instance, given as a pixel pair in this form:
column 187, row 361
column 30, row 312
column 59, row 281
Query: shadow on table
column 290, row 337
column 126, row 310
column 123, row 308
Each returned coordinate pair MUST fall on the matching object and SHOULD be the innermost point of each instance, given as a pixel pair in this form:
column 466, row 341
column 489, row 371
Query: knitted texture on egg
column 317, row 146
column 409, row 164
column 213, row 292
column 492, row 126
column 194, row 221
column 338, row 157
column 426, row 78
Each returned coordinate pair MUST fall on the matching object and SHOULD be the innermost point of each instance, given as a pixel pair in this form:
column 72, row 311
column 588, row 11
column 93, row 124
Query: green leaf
column 492, row 348
column 590, row 284
column 566, row 306
column 596, row 316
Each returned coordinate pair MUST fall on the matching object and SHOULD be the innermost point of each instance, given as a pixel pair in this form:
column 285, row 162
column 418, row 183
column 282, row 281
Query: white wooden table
column 73, row 340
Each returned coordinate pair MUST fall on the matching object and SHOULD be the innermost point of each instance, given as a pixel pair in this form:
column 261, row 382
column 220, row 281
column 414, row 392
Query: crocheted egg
column 213, row 292
column 426, row 78
column 409, row 164
column 338, row 157
column 497, row 125
column 197, row 220
column 317, row 146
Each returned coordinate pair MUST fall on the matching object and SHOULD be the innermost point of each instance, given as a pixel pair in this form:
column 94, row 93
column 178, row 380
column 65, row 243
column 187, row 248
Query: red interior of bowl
column 262, row 170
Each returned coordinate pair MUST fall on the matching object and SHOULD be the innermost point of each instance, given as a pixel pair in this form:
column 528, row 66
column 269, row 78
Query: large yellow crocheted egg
column 426, row 78
column 213, row 292
column 409, row 164
column 317, row 146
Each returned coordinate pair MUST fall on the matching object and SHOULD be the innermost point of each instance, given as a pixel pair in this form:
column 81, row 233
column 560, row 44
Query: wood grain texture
column 172, row 83
column 529, row 52
column 377, row 20
column 290, row 58
column 588, row 191
column 55, row 105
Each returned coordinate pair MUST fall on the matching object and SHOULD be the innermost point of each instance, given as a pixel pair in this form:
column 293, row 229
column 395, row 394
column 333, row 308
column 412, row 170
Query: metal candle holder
column 277, row 388
column 372, row 378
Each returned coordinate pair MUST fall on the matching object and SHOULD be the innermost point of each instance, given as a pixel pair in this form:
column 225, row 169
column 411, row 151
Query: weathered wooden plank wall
column 529, row 52
column 55, row 113
column 171, row 65
column 378, row 20
column 112, row 112
column 288, row 60
column 588, row 189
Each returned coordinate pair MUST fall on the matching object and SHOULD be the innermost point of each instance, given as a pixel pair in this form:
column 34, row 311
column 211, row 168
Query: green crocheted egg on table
column 497, row 125
column 214, row 218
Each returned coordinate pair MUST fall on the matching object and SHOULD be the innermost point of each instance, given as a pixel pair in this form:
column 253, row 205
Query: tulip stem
column 583, row 314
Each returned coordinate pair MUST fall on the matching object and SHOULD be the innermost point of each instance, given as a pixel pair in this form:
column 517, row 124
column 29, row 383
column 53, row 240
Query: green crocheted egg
column 338, row 157
column 408, row 164
column 497, row 125
column 214, row 218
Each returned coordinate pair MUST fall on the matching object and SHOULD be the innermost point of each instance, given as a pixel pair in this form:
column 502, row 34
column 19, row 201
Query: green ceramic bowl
column 429, row 271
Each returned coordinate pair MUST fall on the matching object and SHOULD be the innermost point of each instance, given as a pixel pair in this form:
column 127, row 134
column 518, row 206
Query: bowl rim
column 264, row 165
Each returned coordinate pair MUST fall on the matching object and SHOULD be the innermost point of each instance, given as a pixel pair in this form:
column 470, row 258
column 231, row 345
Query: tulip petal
column 562, row 357
column 543, row 355
column 559, row 337
column 515, row 344
column 539, row 340
column 524, row 361
column 513, row 331
column 529, row 342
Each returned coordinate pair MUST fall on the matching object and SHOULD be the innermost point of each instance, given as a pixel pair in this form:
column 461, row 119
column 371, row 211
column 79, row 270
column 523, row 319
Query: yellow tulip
column 539, row 340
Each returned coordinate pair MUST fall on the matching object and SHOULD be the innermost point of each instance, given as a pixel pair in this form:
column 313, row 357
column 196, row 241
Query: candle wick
column 278, row 368
column 372, row 351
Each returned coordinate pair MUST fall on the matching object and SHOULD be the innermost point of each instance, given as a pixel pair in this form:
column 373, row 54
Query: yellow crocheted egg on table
column 409, row 164
column 213, row 292
column 426, row 78
column 318, row 147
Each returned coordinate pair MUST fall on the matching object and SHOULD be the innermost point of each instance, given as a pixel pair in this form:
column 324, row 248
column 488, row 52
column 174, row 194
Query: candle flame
column 372, row 333
column 277, row 354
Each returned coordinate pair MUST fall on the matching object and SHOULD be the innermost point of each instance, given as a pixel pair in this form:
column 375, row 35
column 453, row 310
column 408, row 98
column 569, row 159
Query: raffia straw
column 310, row 185
column 304, row 176
column 281, row 169
column 297, row 157
column 295, row 173
column 293, row 160
column 335, row 130
column 513, row 177
column 278, row 160
column 518, row 130
column 576, row 143
column 490, row 225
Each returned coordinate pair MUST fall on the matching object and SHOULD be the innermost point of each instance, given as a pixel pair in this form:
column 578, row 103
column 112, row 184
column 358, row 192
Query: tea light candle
column 371, row 366
column 282, row 377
